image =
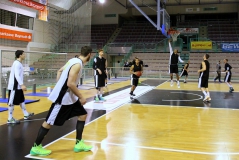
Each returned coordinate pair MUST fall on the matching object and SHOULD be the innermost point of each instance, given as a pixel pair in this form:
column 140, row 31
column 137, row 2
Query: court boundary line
column 30, row 120
column 201, row 97
column 203, row 107
column 180, row 89
column 198, row 89
column 159, row 148
column 29, row 156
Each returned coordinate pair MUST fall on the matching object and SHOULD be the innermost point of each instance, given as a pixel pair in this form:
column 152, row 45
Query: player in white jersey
column 67, row 102
column 16, row 88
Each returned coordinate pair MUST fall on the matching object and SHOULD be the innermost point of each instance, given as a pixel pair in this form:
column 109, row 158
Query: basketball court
column 172, row 123
column 161, row 122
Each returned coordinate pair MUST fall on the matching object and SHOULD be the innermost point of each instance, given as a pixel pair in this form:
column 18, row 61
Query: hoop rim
column 171, row 32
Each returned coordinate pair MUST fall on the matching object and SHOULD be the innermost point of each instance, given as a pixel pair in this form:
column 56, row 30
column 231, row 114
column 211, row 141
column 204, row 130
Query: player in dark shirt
column 99, row 66
column 203, row 78
column 134, row 78
column 173, row 64
column 185, row 71
column 228, row 75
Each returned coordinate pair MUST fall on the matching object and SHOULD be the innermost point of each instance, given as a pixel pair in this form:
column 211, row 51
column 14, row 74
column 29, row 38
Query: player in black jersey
column 185, row 71
column 173, row 64
column 203, row 78
column 228, row 75
column 218, row 67
column 134, row 78
column 100, row 73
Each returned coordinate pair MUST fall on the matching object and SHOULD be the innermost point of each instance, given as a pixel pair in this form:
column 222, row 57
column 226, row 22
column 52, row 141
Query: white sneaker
column 171, row 84
column 209, row 99
column 178, row 83
column 206, row 98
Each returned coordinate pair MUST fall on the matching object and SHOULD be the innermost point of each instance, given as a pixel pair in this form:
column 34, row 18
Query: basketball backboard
column 163, row 18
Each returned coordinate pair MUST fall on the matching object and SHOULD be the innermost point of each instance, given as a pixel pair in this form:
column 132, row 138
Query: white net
column 40, row 68
column 175, row 35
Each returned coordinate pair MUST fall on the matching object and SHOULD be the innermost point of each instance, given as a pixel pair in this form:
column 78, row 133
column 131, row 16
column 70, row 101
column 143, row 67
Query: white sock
column 208, row 94
column 229, row 84
column 24, row 110
column 96, row 95
column 205, row 93
column 10, row 112
column 100, row 95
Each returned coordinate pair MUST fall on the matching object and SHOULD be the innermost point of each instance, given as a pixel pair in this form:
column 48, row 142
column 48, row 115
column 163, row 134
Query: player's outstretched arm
column 180, row 60
column 170, row 48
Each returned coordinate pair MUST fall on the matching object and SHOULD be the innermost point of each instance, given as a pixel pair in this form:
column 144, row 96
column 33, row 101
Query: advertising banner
column 15, row 35
column 201, row 45
column 230, row 47
column 30, row 3
column 188, row 30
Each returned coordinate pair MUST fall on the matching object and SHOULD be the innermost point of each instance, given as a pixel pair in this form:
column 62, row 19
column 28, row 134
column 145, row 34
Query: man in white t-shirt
column 16, row 88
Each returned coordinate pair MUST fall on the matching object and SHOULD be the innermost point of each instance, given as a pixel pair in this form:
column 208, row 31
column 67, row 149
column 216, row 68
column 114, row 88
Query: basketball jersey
column 228, row 68
column 206, row 72
column 16, row 76
column 99, row 63
column 61, row 94
column 137, row 68
column 174, row 59
column 187, row 65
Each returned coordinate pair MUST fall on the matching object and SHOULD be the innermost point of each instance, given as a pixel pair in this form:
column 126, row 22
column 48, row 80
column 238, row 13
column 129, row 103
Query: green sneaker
column 81, row 146
column 39, row 151
column 102, row 99
column 13, row 121
column 97, row 99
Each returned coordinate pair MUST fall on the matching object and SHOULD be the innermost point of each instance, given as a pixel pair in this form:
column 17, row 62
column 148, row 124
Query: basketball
column 138, row 73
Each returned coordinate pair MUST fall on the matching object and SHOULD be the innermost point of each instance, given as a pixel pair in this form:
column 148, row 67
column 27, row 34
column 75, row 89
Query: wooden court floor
column 163, row 123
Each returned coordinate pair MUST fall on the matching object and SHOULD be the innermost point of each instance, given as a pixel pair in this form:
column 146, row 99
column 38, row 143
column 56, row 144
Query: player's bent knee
column 82, row 117
column 46, row 125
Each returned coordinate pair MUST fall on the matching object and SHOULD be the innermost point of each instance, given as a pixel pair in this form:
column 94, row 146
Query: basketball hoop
column 174, row 34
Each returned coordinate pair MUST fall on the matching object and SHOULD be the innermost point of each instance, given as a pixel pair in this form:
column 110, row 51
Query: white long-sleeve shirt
column 16, row 76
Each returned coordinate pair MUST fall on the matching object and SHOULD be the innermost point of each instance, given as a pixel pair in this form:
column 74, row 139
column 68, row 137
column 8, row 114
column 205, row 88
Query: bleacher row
column 219, row 31
column 158, row 63
column 54, row 63
column 145, row 32
column 139, row 32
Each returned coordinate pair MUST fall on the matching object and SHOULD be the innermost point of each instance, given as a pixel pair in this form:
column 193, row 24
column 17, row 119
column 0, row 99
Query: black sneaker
column 132, row 94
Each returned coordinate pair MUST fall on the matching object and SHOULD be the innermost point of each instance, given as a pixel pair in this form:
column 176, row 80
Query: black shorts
column 105, row 75
column 184, row 73
column 58, row 114
column 134, row 81
column 173, row 69
column 227, row 77
column 203, row 82
column 15, row 97
column 99, row 81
